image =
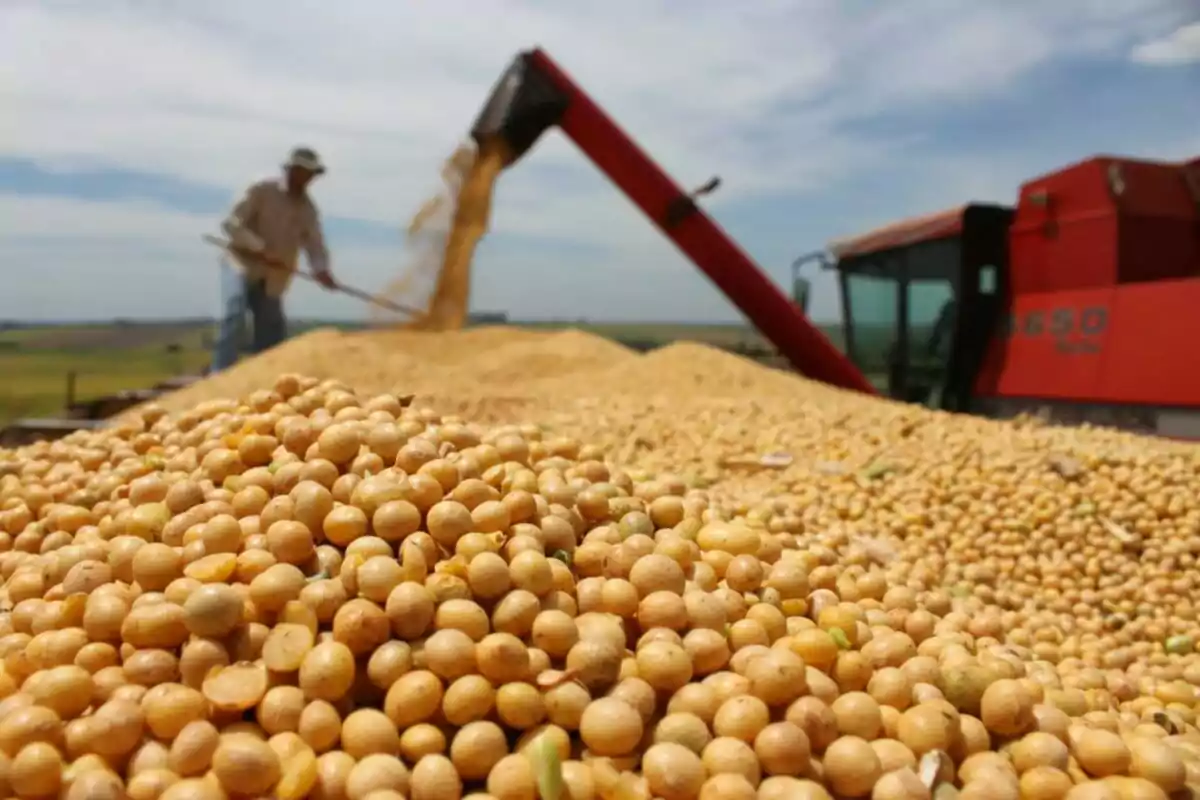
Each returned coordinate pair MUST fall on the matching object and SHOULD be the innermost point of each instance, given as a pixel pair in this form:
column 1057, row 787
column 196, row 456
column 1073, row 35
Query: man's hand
column 325, row 278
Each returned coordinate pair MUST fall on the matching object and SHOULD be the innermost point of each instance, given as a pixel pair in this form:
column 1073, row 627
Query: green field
column 35, row 383
column 35, row 362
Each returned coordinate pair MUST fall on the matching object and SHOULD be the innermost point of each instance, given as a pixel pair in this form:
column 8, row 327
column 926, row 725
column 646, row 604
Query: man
column 267, row 229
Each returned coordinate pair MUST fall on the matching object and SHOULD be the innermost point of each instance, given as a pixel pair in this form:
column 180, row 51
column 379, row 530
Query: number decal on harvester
column 1075, row 330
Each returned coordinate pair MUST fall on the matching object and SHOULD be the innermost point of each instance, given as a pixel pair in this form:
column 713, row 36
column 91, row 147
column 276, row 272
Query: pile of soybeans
column 697, row 578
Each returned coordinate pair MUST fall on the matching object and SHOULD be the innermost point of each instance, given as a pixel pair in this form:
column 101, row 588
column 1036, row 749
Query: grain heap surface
column 375, row 361
column 479, row 362
column 309, row 592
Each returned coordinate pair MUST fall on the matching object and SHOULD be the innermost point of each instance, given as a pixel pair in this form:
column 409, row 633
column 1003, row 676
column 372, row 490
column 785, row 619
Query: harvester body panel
column 1105, row 286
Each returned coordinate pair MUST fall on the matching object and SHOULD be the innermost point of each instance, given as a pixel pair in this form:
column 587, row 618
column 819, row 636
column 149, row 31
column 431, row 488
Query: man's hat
column 307, row 159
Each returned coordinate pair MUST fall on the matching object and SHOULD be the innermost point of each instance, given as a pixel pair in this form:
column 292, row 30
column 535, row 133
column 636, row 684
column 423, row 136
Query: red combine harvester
column 1074, row 304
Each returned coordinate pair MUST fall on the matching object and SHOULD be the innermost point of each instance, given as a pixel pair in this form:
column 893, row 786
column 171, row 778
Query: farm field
column 35, row 382
column 109, row 357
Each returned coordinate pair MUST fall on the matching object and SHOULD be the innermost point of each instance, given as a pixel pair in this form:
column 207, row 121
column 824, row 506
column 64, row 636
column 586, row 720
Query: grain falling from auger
column 444, row 233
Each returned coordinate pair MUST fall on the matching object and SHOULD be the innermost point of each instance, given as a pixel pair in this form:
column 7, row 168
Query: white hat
column 305, row 158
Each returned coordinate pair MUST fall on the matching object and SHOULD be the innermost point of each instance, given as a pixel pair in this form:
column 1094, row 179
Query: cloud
column 1180, row 46
column 821, row 116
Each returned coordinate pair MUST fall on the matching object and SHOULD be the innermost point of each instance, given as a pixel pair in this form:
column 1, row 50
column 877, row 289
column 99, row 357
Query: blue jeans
column 240, row 296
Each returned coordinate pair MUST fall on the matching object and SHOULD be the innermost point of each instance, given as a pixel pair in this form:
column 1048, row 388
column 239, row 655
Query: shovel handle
column 340, row 287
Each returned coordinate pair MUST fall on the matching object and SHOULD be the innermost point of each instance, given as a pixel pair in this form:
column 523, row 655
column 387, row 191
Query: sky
column 128, row 128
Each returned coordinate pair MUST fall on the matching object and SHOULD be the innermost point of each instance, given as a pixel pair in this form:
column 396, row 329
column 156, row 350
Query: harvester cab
column 920, row 299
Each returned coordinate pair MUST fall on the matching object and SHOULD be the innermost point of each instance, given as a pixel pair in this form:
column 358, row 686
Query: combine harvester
column 1073, row 305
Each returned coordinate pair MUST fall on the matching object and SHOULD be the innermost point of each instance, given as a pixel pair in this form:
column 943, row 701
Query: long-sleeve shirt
column 270, row 220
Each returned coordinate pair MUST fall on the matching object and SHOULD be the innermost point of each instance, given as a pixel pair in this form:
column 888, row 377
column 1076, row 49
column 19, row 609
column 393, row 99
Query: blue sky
column 128, row 128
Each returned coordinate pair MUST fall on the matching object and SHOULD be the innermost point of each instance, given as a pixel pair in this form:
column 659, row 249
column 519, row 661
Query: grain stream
column 442, row 237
